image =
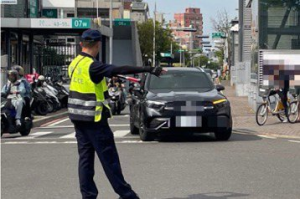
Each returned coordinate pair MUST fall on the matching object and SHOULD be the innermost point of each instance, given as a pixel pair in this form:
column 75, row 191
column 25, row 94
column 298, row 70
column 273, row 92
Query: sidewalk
column 244, row 119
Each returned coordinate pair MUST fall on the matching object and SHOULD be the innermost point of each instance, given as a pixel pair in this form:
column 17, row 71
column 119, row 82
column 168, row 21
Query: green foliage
column 163, row 39
column 220, row 55
column 205, row 61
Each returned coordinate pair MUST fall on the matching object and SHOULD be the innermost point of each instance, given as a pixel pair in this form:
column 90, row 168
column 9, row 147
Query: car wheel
column 144, row 135
column 133, row 129
column 223, row 134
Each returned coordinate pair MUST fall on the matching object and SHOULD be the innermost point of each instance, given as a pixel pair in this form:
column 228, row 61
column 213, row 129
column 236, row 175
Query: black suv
column 184, row 100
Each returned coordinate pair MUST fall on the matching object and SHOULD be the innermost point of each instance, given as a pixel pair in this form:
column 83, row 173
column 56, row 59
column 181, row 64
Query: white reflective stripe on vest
column 84, row 112
column 85, row 103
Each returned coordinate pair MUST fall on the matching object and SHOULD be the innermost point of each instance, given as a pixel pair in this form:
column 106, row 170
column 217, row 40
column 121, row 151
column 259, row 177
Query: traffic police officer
column 89, row 111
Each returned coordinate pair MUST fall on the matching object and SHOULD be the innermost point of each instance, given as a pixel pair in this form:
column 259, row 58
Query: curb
column 41, row 121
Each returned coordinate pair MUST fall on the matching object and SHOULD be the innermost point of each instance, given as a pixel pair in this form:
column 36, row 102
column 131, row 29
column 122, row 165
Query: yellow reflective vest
column 86, row 99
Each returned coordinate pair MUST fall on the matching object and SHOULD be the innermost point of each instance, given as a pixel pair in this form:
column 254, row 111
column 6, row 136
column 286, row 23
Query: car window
column 181, row 81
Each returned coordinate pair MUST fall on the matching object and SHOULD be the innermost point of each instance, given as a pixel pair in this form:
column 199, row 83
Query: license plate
column 188, row 121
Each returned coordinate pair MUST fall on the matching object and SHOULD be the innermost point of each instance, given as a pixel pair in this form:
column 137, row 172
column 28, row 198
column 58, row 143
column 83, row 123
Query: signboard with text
column 61, row 23
column 122, row 22
column 218, row 35
column 9, row 2
column 33, row 8
column 50, row 13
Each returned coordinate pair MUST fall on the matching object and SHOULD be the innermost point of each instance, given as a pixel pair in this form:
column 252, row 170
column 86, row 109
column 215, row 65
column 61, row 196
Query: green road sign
column 50, row 13
column 81, row 23
column 33, row 8
column 218, row 35
column 122, row 22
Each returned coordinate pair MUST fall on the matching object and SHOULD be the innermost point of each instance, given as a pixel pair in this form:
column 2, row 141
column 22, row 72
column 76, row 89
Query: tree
column 222, row 24
column 163, row 39
column 220, row 55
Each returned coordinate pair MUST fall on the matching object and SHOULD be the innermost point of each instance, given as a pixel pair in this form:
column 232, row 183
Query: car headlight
column 155, row 104
column 220, row 103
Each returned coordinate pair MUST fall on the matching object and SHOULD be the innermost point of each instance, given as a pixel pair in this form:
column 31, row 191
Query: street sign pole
column 110, row 38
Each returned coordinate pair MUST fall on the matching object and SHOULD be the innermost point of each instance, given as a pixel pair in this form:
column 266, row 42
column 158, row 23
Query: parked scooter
column 39, row 103
column 8, row 121
column 51, row 94
column 62, row 92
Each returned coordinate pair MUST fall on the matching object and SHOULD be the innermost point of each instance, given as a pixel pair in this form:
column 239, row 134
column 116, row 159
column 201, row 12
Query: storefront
column 275, row 27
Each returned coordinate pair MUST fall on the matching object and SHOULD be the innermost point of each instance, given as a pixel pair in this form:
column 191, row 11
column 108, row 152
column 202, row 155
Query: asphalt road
column 44, row 165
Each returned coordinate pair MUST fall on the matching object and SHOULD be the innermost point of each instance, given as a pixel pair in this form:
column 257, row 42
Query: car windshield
column 181, row 81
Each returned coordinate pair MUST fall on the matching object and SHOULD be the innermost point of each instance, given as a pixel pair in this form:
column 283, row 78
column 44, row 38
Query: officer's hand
column 157, row 71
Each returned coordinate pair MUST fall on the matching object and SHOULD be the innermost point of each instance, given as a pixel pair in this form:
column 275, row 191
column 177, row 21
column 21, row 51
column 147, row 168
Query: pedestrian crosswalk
column 58, row 135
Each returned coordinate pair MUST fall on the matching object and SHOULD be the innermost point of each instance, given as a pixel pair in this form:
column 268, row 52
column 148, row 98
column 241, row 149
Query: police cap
column 91, row 35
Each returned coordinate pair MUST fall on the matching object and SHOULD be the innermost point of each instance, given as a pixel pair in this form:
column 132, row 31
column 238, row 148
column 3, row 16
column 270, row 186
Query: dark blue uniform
column 97, row 137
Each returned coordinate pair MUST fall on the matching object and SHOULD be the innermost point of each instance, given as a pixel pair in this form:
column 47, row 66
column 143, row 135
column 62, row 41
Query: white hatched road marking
column 294, row 141
column 120, row 133
column 33, row 135
column 75, row 142
column 266, row 136
column 59, row 122
column 72, row 126
column 68, row 136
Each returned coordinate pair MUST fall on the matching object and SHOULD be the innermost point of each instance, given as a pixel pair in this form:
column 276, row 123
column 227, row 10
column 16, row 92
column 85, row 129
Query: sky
column 209, row 9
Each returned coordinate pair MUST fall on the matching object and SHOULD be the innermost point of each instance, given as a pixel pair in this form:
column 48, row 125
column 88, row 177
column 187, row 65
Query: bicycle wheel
column 262, row 114
column 281, row 117
column 293, row 113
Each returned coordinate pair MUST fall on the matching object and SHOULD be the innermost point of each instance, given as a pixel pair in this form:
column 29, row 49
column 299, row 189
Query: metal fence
column 53, row 60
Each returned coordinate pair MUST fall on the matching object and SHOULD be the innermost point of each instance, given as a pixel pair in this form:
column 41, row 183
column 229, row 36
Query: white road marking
column 75, row 142
column 59, row 122
column 295, row 141
column 266, row 136
column 72, row 126
column 119, row 125
column 14, row 143
column 33, row 135
column 116, row 116
column 120, row 133
column 69, row 136
column 240, row 133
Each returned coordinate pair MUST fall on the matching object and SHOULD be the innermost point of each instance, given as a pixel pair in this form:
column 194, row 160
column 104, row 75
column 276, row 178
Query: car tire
column 144, row 135
column 223, row 134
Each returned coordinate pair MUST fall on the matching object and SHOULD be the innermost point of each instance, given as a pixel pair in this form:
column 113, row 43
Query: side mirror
column 220, row 88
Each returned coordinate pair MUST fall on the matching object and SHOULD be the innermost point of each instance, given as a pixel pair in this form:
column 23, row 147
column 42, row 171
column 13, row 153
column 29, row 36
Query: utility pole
column 110, row 38
column 97, row 5
column 154, row 45
column 180, row 51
